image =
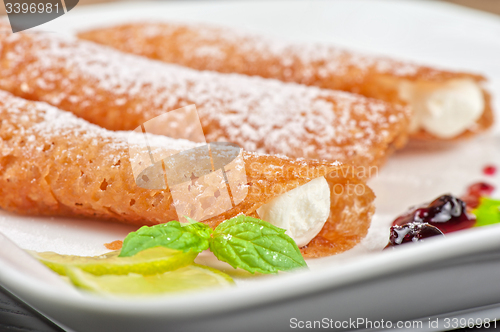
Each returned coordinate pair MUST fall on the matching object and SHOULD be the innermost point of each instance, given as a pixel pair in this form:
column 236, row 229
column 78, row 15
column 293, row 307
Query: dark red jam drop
column 411, row 232
column 447, row 213
column 490, row 170
column 476, row 191
column 480, row 189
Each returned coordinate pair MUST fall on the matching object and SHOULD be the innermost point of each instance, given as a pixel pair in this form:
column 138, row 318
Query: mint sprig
column 243, row 242
column 488, row 212
column 255, row 245
column 173, row 235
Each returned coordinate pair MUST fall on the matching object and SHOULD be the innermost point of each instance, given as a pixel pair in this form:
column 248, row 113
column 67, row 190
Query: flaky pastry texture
column 120, row 92
column 206, row 47
column 53, row 163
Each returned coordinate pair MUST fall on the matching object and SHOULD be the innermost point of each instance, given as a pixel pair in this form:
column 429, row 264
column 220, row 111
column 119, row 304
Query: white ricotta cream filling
column 443, row 109
column 302, row 211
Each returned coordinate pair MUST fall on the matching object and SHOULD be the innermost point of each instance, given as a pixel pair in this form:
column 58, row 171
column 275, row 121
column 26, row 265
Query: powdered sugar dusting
column 261, row 115
column 46, row 121
column 204, row 41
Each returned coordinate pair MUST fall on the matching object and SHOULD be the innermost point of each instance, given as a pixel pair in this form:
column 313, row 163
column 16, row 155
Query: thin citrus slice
column 191, row 277
column 151, row 261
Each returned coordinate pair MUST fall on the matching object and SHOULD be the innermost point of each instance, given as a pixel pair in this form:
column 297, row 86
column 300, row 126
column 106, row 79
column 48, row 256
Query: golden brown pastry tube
column 53, row 163
column 120, row 92
column 438, row 96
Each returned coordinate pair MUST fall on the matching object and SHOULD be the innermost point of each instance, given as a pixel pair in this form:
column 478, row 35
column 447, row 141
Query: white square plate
column 435, row 278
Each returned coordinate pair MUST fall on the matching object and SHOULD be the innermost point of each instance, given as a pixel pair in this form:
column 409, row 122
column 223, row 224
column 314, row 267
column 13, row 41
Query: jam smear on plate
column 411, row 232
column 447, row 213
column 476, row 191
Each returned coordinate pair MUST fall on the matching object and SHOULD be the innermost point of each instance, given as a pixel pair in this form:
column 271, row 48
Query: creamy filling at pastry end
column 443, row 109
column 302, row 211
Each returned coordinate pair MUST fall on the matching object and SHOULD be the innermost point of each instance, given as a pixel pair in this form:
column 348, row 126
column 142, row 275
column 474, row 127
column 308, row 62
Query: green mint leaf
column 255, row 245
column 193, row 237
column 488, row 212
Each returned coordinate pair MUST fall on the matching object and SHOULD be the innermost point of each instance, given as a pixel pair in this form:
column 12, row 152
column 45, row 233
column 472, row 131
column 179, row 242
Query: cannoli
column 53, row 163
column 120, row 92
column 445, row 104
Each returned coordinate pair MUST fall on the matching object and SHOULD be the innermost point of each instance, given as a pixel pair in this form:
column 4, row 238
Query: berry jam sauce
column 411, row 232
column 447, row 213
column 490, row 170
